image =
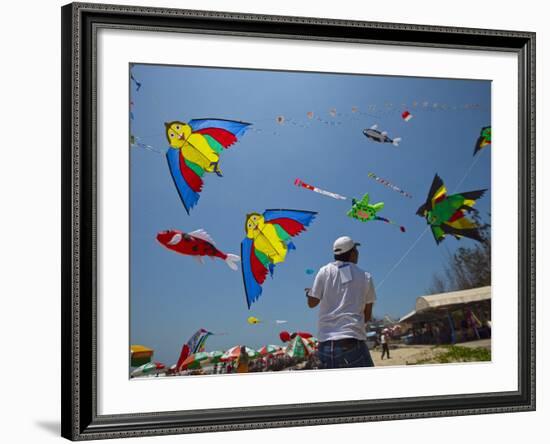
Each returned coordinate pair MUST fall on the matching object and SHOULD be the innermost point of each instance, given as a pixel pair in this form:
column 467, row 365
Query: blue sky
column 171, row 295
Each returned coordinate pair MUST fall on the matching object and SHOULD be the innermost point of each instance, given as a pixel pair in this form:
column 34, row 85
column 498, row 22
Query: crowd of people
column 269, row 363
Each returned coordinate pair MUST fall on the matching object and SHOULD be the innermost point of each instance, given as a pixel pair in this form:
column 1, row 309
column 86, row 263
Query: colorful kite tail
column 383, row 219
column 390, row 185
column 302, row 184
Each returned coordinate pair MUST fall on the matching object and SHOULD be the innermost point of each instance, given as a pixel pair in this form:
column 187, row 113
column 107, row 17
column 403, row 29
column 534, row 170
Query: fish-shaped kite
column 197, row 244
column 267, row 241
column 195, row 149
column 447, row 214
column 375, row 135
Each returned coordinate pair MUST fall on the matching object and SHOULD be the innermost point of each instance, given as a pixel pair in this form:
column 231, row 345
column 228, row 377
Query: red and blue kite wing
column 254, row 272
column 218, row 134
column 292, row 221
column 219, row 131
column 187, row 181
column 234, row 127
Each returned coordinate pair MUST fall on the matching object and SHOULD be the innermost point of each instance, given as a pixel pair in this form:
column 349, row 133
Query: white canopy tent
column 446, row 301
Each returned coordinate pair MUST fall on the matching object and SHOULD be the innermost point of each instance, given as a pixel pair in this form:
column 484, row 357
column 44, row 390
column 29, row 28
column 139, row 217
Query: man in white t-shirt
column 345, row 295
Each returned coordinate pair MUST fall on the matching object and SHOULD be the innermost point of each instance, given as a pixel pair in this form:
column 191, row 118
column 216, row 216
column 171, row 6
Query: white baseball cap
column 344, row 244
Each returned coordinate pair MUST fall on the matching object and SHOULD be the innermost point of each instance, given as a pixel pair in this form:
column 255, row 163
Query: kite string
column 402, row 258
column 140, row 144
column 468, row 171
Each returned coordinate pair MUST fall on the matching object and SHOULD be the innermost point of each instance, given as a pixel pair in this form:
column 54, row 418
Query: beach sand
column 410, row 354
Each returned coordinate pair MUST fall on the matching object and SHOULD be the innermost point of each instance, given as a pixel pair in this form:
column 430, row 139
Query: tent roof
column 427, row 306
column 445, row 300
column 407, row 316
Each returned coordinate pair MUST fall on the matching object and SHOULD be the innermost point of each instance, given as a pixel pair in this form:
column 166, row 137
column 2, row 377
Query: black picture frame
column 79, row 212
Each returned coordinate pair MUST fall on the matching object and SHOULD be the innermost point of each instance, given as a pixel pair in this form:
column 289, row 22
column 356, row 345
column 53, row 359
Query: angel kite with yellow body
column 267, row 241
column 195, row 149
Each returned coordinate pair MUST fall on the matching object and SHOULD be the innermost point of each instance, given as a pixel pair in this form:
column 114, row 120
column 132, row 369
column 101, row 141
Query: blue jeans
column 334, row 355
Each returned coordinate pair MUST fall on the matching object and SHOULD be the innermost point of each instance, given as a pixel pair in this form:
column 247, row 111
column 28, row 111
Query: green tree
column 467, row 267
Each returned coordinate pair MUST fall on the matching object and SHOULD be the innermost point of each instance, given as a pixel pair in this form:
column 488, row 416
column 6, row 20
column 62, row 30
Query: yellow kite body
column 194, row 147
column 266, row 239
column 197, row 150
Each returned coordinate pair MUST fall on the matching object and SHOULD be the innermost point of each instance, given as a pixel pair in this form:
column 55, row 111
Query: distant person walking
column 384, row 340
column 243, row 361
column 345, row 295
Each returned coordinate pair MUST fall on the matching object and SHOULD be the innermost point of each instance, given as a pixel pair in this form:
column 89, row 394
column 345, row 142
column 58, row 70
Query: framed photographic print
column 277, row 221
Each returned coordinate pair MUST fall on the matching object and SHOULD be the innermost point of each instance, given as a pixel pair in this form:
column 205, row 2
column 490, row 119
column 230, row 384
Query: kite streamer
column 389, row 185
column 383, row 219
column 300, row 183
column 335, row 117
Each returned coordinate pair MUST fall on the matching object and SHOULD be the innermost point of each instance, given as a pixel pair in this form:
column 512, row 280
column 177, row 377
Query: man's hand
column 311, row 301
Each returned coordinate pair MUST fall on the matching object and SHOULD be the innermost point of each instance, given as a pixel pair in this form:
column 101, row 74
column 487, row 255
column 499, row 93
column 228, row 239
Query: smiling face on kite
column 363, row 210
column 177, row 133
column 366, row 213
column 254, row 224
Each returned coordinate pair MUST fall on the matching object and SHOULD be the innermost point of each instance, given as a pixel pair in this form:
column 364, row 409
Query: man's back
column 343, row 289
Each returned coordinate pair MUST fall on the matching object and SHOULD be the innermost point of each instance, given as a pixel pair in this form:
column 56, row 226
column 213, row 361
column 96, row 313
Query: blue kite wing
column 252, row 288
column 188, row 197
column 234, row 127
column 303, row 217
